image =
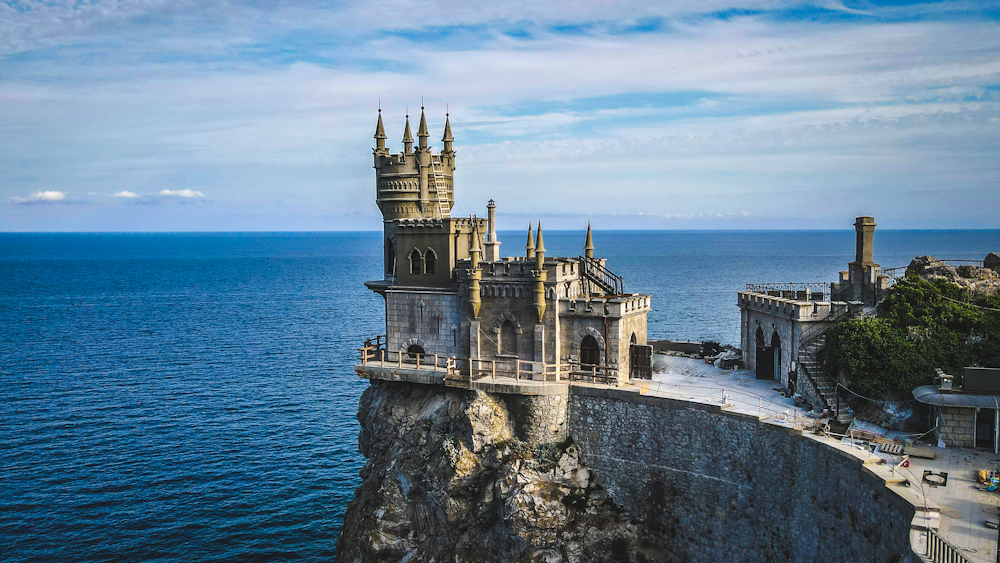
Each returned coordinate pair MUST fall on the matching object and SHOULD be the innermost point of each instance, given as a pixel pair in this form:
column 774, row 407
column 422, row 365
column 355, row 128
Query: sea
column 190, row 397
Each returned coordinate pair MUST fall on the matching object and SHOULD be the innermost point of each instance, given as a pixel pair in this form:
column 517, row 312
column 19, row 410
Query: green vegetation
column 920, row 326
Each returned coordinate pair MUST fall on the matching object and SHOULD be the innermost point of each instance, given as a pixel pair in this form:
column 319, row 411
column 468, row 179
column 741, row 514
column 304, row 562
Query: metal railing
column 374, row 352
column 799, row 291
column 940, row 550
column 595, row 273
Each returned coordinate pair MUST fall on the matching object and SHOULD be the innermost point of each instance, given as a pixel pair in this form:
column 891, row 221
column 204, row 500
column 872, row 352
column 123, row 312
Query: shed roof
column 931, row 395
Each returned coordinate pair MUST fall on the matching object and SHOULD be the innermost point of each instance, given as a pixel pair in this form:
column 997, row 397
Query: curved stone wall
column 712, row 486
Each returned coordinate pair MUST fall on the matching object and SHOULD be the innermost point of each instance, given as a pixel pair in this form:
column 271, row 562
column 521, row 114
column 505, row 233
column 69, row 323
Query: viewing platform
column 501, row 375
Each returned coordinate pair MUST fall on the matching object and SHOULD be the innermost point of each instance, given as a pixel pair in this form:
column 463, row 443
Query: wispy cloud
column 40, row 197
column 687, row 109
column 185, row 193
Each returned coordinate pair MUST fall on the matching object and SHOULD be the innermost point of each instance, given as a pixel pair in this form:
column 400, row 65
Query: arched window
column 429, row 258
column 508, row 339
column 590, row 351
column 390, row 257
column 416, row 262
column 759, row 337
column 413, row 350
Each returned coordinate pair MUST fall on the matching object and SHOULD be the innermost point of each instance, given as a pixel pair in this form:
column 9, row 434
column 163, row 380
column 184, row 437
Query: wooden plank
column 920, row 451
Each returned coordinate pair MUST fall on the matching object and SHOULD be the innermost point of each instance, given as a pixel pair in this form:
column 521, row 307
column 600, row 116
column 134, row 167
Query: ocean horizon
column 191, row 396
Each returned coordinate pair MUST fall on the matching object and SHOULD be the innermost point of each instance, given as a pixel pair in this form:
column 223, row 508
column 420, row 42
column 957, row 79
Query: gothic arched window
column 429, row 258
column 416, row 262
column 508, row 339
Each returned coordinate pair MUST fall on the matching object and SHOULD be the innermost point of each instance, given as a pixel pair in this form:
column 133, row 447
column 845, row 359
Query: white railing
column 374, row 353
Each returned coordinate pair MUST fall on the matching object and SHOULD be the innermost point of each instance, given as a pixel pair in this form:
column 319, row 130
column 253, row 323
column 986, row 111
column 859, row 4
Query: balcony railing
column 374, row 353
column 798, row 291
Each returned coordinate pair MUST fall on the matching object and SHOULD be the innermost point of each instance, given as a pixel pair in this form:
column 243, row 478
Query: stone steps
column 825, row 386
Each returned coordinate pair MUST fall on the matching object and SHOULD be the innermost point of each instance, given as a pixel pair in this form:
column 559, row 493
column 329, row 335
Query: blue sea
column 190, row 397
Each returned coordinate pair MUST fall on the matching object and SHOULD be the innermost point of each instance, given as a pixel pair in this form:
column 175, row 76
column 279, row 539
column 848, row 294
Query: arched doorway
column 763, row 357
column 590, row 351
column 508, row 339
column 413, row 350
column 776, row 347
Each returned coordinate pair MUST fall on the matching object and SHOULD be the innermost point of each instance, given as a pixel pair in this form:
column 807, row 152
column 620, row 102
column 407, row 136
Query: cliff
column 450, row 478
column 602, row 474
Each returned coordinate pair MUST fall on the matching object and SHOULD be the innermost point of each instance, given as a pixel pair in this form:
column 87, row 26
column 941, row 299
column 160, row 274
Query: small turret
column 529, row 248
column 422, row 133
column 475, row 274
column 492, row 250
column 588, row 247
column 447, row 139
column 539, row 249
column 475, row 251
column 407, row 137
column 380, row 134
column 539, row 275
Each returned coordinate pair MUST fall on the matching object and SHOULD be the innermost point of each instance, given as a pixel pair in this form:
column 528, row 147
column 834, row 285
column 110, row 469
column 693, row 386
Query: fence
column 799, row 291
column 374, row 352
column 941, row 551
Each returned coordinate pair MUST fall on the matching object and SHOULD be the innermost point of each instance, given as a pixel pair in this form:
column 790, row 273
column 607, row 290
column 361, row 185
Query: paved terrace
column 956, row 511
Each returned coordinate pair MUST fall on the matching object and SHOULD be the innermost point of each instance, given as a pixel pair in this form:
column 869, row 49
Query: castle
column 454, row 305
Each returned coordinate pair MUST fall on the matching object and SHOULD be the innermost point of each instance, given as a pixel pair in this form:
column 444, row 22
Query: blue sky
column 157, row 115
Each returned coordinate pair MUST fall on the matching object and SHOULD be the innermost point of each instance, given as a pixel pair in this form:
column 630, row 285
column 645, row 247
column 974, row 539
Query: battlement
column 798, row 309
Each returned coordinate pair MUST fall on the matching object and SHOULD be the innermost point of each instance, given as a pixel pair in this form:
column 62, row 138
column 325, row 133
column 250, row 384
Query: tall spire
column 588, row 247
column 529, row 249
column 380, row 133
column 407, row 136
column 539, row 248
column 422, row 133
column 474, row 248
column 447, row 139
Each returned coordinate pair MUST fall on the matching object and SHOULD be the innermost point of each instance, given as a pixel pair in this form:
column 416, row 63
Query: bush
column 920, row 326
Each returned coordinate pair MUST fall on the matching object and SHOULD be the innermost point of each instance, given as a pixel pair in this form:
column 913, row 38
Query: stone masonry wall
column 430, row 319
column 710, row 486
column 958, row 426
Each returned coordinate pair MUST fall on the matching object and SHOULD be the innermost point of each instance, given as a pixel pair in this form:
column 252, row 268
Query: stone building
column 966, row 416
column 450, row 295
column 778, row 319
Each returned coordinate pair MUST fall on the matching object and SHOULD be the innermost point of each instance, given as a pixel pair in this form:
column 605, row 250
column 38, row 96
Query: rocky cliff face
column 457, row 475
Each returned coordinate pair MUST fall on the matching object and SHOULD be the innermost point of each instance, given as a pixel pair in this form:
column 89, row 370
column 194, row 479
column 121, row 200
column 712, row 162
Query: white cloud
column 182, row 193
column 127, row 194
column 41, row 197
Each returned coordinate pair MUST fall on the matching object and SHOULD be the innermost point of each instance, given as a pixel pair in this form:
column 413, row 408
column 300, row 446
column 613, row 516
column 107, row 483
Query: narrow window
column 429, row 259
column 416, row 262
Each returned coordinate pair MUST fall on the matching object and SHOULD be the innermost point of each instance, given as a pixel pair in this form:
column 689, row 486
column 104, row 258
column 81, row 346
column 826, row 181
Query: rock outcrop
column 984, row 279
column 450, row 477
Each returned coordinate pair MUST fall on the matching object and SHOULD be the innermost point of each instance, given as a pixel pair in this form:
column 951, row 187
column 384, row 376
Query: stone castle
column 449, row 295
column 507, row 418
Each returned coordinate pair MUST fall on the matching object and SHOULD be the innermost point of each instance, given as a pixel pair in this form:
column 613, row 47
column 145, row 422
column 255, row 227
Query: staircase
column 440, row 187
column 832, row 397
column 594, row 273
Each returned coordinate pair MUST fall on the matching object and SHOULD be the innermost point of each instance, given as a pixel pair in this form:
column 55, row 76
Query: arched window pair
column 422, row 263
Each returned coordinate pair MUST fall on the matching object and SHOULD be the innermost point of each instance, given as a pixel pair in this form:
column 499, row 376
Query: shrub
column 920, row 325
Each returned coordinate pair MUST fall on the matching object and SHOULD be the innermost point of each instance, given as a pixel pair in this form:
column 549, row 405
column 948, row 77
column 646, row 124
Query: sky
column 195, row 115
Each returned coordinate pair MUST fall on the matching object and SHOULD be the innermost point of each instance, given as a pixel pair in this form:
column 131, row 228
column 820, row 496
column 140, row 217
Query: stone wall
column 430, row 319
column 712, row 486
column 958, row 426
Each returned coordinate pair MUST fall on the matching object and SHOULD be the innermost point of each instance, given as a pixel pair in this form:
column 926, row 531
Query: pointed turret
column 588, row 247
column 447, row 139
column 422, row 133
column 529, row 248
column 475, row 251
column 380, row 133
column 407, row 137
column 540, row 275
column 539, row 248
